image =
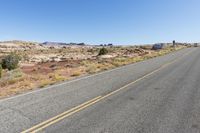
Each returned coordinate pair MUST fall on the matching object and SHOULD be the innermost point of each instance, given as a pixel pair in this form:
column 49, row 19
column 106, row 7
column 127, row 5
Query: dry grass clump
column 119, row 61
column 51, row 79
column 92, row 68
column 76, row 73
column 56, row 77
column 44, row 83
column 95, row 66
column 12, row 77
column 15, row 84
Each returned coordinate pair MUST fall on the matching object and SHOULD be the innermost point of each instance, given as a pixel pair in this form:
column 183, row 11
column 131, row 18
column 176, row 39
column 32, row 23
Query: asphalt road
column 160, row 95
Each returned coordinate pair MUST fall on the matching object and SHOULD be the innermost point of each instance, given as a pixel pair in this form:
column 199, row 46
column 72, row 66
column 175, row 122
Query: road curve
column 165, row 99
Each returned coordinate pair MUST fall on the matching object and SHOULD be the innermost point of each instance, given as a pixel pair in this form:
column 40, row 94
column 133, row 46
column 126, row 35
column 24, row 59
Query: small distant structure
column 195, row 44
column 110, row 44
column 80, row 44
column 106, row 45
column 174, row 43
column 158, row 46
column 52, row 47
column 64, row 47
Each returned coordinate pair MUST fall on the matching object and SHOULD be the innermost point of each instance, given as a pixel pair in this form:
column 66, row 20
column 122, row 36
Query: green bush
column 103, row 51
column 10, row 62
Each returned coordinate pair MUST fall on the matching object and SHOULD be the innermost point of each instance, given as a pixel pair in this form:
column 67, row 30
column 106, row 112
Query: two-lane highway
column 159, row 95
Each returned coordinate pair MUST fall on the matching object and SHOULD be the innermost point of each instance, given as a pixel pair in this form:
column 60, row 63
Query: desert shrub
column 12, row 77
column 10, row 62
column 53, row 66
column 76, row 73
column 146, row 47
column 92, row 50
column 0, row 71
column 103, row 51
column 44, row 83
column 58, row 77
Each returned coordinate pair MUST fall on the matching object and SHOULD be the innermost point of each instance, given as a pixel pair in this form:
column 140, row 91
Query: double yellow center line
column 91, row 102
column 61, row 116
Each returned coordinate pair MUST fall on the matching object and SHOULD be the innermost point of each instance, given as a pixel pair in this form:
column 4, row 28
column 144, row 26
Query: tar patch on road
column 157, row 88
column 195, row 126
column 131, row 98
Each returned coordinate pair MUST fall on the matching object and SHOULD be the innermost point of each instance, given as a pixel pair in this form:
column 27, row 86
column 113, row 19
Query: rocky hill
column 9, row 46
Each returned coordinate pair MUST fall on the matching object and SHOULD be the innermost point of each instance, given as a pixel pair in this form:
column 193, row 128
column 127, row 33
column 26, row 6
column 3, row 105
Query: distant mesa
column 60, row 43
column 53, row 43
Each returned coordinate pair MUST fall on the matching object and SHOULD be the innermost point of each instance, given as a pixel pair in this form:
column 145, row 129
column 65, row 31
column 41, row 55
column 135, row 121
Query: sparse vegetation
column 57, row 77
column 103, row 51
column 48, row 66
column 44, row 83
column 1, row 71
column 12, row 77
column 76, row 73
column 11, row 61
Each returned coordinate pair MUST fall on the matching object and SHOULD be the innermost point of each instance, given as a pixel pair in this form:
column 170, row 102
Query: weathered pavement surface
column 167, row 101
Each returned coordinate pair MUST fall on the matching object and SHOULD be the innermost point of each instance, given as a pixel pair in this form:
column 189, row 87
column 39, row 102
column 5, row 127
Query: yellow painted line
column 89, row 103
column 137, row 80
column 60, row 115
column 67, row 115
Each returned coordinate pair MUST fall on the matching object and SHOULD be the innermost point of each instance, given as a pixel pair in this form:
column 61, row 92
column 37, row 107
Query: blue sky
column 100, row 21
